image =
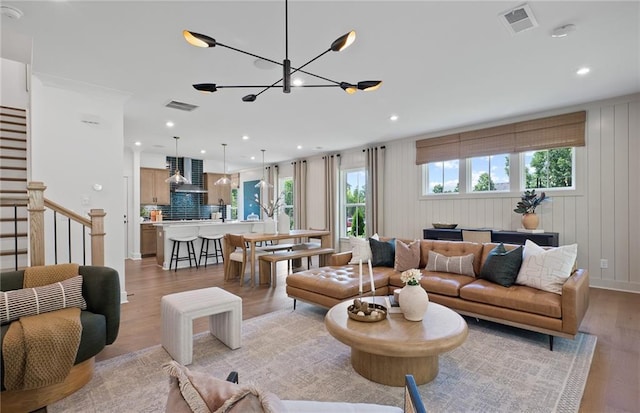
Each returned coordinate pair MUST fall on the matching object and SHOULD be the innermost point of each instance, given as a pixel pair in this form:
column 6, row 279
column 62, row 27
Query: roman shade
column 560, row 131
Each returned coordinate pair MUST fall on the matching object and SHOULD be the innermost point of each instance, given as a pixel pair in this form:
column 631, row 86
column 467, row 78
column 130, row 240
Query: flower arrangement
column 411, row 277
column 529, row 201
column 271, row 207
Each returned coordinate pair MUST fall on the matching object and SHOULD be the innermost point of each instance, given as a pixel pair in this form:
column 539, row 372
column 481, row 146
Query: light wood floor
column 614, row 317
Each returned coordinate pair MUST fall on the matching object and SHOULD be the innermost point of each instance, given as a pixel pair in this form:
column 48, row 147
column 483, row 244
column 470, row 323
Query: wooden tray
column 444, row 226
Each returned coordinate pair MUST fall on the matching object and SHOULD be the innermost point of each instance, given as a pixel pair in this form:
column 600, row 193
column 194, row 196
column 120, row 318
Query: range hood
column 187, row 173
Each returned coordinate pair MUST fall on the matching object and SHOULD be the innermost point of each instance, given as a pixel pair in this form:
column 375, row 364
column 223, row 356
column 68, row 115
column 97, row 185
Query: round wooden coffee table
column 387, row 350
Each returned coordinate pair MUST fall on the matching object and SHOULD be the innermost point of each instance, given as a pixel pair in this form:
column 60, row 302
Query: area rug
column 498, row 369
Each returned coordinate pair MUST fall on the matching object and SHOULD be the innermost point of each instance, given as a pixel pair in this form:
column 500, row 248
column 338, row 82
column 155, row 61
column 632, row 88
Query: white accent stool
column 179, row 310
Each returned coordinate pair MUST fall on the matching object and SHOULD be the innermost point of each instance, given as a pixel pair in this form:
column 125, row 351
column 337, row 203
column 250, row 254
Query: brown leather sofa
column 518, row 305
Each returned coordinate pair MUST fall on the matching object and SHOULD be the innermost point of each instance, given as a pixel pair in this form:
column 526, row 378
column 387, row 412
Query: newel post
column 35, row 191
column 97, row 236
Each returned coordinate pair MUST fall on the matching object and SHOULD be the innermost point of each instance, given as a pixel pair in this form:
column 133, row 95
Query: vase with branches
column 271, row 207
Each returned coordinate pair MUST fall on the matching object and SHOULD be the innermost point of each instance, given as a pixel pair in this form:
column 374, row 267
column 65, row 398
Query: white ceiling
column 444, row 65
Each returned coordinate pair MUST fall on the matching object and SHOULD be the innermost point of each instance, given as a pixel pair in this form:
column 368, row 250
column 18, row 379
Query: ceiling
column 444, row 65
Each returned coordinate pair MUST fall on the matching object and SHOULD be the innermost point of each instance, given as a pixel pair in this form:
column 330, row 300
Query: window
column 286, row 188
column 441, row 177
column 353, row 189
column 489, row 173
column 549, row 168
column 234, row 204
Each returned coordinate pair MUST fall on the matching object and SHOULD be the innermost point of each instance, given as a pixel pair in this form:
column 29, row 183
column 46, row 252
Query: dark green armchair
column 100, row 325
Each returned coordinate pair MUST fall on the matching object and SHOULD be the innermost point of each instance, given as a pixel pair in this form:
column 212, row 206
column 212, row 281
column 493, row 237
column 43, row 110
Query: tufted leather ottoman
column 328, row 286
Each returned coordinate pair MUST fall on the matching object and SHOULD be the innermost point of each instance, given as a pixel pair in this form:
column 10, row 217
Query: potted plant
column 527, row 205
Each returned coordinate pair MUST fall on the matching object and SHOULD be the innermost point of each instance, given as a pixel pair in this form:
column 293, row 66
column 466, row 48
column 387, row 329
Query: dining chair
column 236, row 255
column 480, row 236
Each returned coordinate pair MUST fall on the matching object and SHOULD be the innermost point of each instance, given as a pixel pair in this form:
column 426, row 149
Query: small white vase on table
column 413, row 298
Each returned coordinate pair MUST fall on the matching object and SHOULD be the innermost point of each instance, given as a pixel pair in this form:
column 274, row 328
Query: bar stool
column 175, row 251
column 217, row 248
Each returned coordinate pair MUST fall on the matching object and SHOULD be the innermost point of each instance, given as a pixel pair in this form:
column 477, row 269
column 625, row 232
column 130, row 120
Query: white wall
column 70, row 155
column 13, row 78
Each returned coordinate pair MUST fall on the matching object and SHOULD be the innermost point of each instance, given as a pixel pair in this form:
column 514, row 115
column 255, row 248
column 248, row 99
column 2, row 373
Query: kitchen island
column 168, row 229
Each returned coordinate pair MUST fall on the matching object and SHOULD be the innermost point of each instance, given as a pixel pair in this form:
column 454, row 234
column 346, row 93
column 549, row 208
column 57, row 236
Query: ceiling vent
column 187, row 107
column 518, row 19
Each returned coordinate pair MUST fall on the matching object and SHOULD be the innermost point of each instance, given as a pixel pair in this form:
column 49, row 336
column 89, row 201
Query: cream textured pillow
column 407, row 255
column 547, row 270
column 457, row 265
column 33, row 301
column 195, row 392
column 360, row 249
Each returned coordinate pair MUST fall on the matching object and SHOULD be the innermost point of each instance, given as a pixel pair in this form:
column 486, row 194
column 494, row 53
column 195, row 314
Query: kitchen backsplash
column 185, row 205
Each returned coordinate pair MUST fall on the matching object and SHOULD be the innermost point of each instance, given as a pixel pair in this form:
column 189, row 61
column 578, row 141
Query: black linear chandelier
column 341, row 43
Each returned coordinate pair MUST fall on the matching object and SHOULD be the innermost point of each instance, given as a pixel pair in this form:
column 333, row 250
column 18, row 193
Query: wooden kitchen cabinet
column 153, row 188
column 216, row 192
column 147, row 240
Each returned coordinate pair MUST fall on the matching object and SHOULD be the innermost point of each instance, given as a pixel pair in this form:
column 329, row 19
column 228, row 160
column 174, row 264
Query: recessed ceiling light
column 169, row 124
column 393, row 118
column 299, row 146
column 297, row 81
column 253, row 158
column 138, row 143
column 563, row 31
column 203, row 151
column 11, row 12
column 583, row 71
column 245, row 138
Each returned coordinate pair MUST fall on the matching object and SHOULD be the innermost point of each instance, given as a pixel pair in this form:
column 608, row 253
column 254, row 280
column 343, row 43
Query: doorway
column 249, row 198
column 127, row 208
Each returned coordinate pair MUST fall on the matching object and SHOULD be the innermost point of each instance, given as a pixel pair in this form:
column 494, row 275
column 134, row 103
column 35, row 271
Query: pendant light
column 263, row 183
column 225, row 179
column 176, row 178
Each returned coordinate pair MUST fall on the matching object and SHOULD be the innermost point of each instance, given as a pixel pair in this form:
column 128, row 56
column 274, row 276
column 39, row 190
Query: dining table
column 254, row 238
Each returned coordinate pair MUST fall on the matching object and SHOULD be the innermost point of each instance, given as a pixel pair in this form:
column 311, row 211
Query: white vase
column 283, row 223
column 413, row 302
column 269, row 226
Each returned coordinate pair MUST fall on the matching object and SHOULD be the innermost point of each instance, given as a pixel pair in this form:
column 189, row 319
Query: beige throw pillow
column 192, row 391
column 407, row 255
column 549, row 269
column 457, row 265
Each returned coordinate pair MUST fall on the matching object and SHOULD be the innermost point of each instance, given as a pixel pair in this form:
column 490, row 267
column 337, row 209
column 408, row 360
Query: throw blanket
column 48, row 274
column 40, row 350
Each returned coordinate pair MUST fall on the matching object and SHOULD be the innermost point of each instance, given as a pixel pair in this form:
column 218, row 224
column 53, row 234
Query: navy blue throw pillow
column 383, row 253
column 502, row 266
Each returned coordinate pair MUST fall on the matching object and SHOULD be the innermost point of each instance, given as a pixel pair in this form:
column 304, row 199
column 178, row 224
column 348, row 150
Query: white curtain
column 300, row 194
column 331, row 165
column 375, row 190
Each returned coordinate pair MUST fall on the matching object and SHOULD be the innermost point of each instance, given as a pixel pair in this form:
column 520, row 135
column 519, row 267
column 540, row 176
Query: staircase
column 13, row 188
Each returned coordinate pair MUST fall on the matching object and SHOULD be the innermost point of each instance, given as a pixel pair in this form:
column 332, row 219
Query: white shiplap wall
column 601, row 215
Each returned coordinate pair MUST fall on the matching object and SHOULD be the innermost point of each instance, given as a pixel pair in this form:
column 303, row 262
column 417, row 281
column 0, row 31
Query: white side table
column 179, row 310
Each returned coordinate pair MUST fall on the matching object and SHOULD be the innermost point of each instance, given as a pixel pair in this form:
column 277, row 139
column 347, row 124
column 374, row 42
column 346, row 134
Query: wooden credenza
column 545, row 239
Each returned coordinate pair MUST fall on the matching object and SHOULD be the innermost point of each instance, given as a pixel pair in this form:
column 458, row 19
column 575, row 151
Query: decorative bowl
column 438, row 225
column 380, row 309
